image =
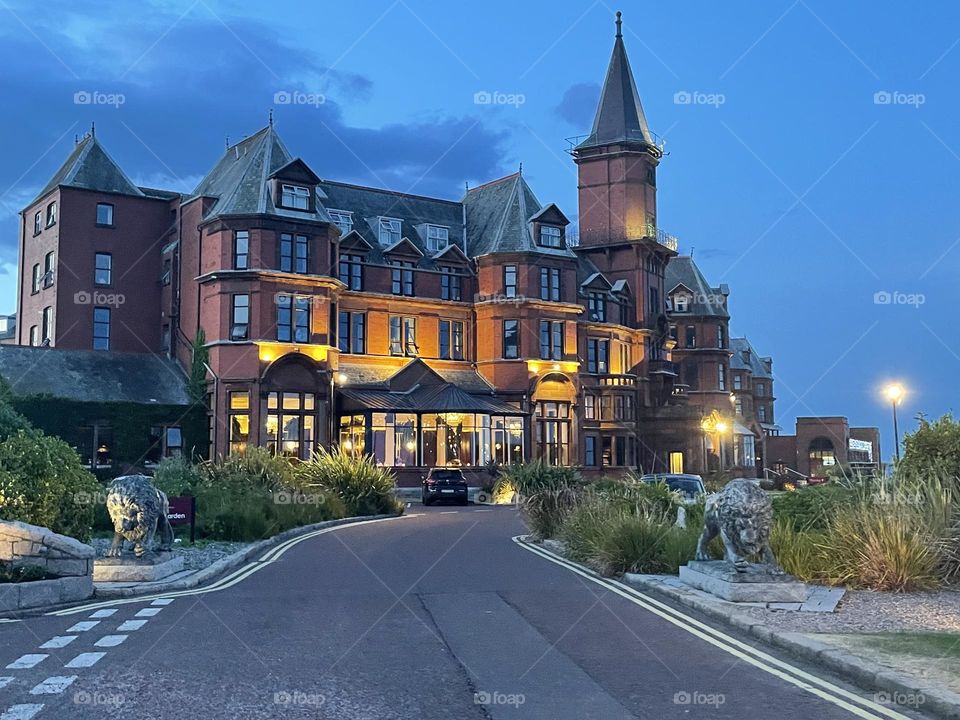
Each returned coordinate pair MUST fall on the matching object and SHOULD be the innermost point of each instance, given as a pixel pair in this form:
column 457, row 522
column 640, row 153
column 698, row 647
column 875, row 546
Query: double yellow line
column 851, row 702
column 237, row 576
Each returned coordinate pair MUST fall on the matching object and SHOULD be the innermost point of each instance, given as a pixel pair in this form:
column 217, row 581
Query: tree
column 934, row 446
column 198, row 368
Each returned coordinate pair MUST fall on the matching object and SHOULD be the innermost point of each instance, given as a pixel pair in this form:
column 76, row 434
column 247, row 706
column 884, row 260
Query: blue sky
column 816, row 164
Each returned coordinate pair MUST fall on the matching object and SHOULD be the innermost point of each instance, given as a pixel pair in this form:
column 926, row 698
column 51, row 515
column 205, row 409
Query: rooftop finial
column 619, row 24
column 521, row 169
column 271, row 117
column 93, row 129
column 226, row 141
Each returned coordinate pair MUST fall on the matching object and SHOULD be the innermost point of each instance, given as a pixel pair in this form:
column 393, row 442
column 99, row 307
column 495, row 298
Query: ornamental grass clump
column 547, row 494
column 363, row 487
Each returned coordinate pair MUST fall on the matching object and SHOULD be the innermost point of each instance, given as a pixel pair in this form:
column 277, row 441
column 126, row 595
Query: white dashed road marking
column 60, row 641
column 128, row 625
column 162, row 601
column 84, row 626
column 54, row 685
column 26, row 661
column 84, row 660
column 148, row 612
column 4, row 681
column 22, row 712
column 110, row 640
column 103, row 613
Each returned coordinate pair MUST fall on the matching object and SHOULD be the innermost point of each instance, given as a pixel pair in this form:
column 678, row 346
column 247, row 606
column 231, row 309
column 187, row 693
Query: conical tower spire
column 620, row 117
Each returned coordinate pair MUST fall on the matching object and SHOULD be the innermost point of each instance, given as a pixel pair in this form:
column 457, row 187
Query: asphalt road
column 439, row 614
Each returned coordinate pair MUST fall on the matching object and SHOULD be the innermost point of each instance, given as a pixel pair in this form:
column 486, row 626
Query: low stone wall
column 69, row 559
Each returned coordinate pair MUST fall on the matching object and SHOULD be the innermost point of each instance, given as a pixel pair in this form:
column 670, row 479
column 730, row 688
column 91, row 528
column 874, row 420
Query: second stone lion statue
column 138, row 511
column 741, row 515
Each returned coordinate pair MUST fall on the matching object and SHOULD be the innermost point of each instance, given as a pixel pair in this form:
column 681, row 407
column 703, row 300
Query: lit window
column 239, row 419
column 103, row 269
column 550, row 236
column 101, row 328
column 295, row 196
column 343, row 220
column 390, row 230
column 438, row 237
column 104, row 214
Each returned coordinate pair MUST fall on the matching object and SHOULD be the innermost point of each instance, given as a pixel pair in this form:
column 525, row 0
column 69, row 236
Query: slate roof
column 619, row 115
column 746, row 358
column 498, row 218
column 89, row 167
column 682, row 270
column 92, row 376
column 240, row 180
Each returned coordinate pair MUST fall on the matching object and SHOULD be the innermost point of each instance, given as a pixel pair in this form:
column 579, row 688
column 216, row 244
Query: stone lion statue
column 138, row 511
column 741, row 514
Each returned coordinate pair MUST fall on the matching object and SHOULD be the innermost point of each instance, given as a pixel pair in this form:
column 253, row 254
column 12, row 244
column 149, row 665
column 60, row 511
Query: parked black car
column 444, row 484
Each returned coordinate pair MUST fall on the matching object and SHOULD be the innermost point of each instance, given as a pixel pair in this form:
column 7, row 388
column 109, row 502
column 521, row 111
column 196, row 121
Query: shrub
column 801, row 552
column 43, row 483
column 177, row 476
column 363, row 487
column 811, row 508
column 933, row 447
column 547, row 494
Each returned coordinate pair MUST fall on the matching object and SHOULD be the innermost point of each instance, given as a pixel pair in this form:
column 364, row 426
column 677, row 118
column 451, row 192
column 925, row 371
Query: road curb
column 864, row 673
column 211, row 572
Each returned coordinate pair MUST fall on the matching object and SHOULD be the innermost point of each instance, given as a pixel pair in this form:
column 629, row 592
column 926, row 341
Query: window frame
column 436, row 247
column 97, row 215
column 346, row 216
column 290, row 190
column 551, row 339
column 239, row 331
column 244, row 236
column 510, row 289
column 298, row 307
column 51, row 214
column 451, row 283
column 551, row 284
column 516, row 340
column 401, row 278
column 103, row 338
column 403, row 336
column 97, row 269
column 49, row 268
column 349, row 341
column 550, row 236
column 350, row 270
column 384, row 224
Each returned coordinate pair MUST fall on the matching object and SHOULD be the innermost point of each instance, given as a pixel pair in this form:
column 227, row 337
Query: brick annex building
column 419, row 330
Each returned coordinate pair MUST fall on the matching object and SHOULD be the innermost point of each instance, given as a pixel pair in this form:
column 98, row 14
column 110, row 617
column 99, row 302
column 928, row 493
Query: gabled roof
column 706, row 300
column 89, row 167
column 240, row 180
column 619, row 115
column 403, row 246
column 353, row 240
column 498, row 218
column 550, row 211
column 597, row 280
column 299, row 169
column 92, row 376
column 746, row 358
column 455, row 253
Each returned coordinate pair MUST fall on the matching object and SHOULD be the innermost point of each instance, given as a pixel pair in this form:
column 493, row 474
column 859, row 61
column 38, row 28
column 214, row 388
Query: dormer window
column 597, row 307
column 550, row 236
column 343, row 220
column 296, row 197
column 389, row 231
column 438, row 237
column 681, row 303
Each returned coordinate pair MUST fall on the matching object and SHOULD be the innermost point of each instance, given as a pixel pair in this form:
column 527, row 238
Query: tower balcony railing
column 669, row 241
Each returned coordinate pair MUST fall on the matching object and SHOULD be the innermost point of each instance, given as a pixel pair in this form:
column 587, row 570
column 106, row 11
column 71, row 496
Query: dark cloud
column 579, row 104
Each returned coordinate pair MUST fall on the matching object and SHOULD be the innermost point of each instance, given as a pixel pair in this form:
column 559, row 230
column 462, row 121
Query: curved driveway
column 439, row 614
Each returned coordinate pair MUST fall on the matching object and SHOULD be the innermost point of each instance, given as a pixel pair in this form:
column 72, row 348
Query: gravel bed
column 870, row 611
column 195, row 557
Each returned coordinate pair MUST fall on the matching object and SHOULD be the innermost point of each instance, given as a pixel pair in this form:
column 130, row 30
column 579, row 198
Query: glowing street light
column 895, row 393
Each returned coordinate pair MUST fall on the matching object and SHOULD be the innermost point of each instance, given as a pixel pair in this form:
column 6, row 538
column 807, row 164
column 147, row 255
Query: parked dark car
column 444, row 484
column 690, row 487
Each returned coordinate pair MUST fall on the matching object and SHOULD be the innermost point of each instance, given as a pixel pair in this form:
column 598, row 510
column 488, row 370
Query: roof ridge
column 497, row 238
column 493, row 182
column 387, row 191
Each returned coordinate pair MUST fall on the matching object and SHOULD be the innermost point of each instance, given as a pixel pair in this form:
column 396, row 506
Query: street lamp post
column 895, row 393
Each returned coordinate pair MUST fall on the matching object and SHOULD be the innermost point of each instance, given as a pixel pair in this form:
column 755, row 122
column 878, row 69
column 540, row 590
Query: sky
column 813, row 152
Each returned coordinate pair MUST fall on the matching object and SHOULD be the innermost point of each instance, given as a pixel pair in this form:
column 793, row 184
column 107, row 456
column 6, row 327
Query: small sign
column 183, row 511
